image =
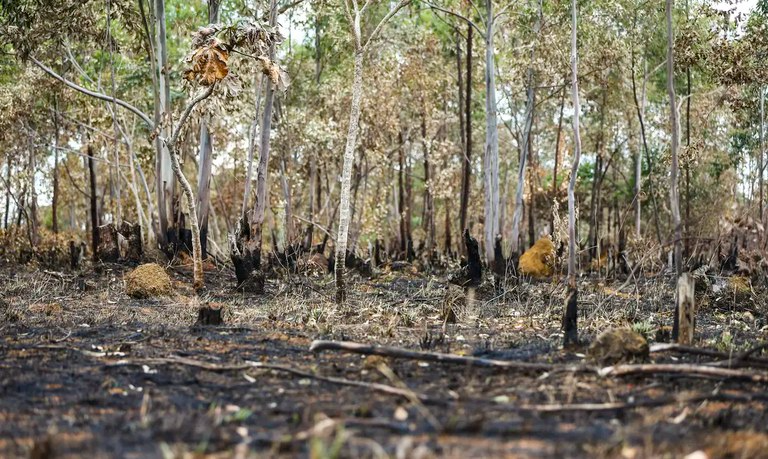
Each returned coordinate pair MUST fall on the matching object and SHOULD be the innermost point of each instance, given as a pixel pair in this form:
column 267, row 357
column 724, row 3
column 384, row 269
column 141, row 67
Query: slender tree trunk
column 762, row 149
column 595, row 208
column 346, row 176
column 466, row 167
column 491, row 157
column 557, row 159
column 94, row 210
column 206, row 155
column 429, row 211
column 55, row 198
column 674, row 127
column 116, row 131
column 164, row 173
column 570, row 319
column 252, row 146
column 33, row 222
column 262, row 191
column 640, row 108
column 8, row 193
column 401, row 204
column 525, row 152
column 686, row 228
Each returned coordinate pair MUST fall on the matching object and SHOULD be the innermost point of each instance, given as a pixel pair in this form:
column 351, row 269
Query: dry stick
column 383, row 388
column 387, row 351
column 613, row 406
column 743, row 359
column 693, row 371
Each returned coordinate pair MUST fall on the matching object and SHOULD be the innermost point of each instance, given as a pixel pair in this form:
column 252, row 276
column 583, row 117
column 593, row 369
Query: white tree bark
column 576, row 152
column 354, row 14
column 346, row 174
column 674, row 199
column 491, row 156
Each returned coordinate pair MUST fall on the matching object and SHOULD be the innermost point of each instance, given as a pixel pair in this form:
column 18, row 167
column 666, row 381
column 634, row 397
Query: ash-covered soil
column 86, row 371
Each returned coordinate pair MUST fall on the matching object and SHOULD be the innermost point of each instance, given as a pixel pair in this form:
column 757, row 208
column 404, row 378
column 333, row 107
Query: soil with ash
column 86, row 371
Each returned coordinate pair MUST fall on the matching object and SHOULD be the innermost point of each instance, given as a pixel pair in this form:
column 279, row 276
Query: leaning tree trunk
column 762, row 149
column 491, row 157
column 346, row 175
column 673, row 121
column 570, row 319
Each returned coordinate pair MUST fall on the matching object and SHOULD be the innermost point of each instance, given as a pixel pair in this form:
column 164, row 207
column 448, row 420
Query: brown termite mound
column 148, row 281
column 618, row 345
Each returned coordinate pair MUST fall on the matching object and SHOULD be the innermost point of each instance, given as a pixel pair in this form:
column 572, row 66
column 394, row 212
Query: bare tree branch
column 94, row 94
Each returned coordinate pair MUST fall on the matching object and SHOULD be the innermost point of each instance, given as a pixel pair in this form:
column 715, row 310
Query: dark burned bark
column 466, row 168
column 570, row 319
column 499, row 263
column 245, row 252
column 76, row 254
column 210, row 314
column 132, row 250
column 474, row 265
column 94, row 209
column 108, row 250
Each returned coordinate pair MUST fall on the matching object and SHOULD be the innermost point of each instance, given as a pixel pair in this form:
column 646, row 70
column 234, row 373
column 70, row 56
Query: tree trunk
column 491, row 157
column 94, row 211
column 673, row 121
column 466, row 167
column 762, row 150
column 429, row 221
column 346, row 176
column 570, row 319
column 55, row 198
column 525, row 152
column 206, row 155
column 33, row 221
column 8, row 193
column 640, row 108
column 164, row 174
column 596, row 206
column 557, row 158
column 262, row 191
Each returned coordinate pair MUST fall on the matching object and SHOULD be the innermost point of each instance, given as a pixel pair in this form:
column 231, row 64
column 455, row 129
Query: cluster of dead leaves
column 208, row 64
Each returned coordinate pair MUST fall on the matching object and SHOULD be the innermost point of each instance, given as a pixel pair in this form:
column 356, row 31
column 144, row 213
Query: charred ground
column 81, row 371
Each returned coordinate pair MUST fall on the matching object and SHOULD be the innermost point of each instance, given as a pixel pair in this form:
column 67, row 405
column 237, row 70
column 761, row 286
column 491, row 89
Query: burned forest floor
column 87, row 371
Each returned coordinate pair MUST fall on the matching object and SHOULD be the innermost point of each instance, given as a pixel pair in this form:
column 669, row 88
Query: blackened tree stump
column 210, row 314
column 108, row 250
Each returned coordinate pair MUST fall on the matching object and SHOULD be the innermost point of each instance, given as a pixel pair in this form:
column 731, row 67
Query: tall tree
column 570, row 319
column 674, row 200
column 354, row 14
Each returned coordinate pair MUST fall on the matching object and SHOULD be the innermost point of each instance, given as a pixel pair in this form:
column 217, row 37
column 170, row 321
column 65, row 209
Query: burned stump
column 245, row 253
column 210, row 314
column 108, row 249
column 130, row 242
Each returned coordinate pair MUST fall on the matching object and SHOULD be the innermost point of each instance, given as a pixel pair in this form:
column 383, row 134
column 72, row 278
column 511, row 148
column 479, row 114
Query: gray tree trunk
column 571, row 312
column 674, row 127
column 206, row 154
column 491, row 156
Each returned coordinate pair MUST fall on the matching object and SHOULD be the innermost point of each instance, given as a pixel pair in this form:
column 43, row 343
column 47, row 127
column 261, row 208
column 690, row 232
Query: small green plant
column 645, row 328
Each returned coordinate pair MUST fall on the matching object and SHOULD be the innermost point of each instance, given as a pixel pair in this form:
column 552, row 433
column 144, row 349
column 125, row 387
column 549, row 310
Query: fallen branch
column 743, row 359
column 649, row 403
column 693, row 371
column 377, row 387
column 394, row 352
